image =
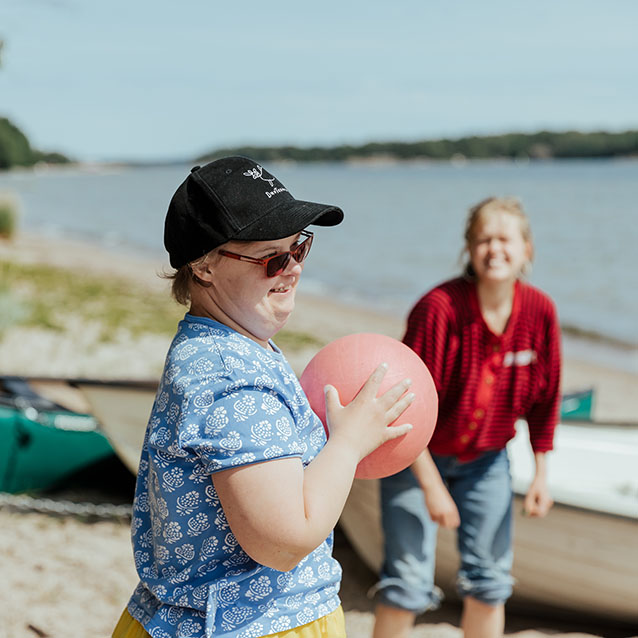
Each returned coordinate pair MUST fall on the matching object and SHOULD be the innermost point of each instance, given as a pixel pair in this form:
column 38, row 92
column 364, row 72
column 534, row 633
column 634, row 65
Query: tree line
column 541, row 145
column 15, row 149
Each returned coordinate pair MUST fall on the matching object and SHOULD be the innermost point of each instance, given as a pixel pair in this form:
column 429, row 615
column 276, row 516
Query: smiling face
column 241, row 296
column 498, row 248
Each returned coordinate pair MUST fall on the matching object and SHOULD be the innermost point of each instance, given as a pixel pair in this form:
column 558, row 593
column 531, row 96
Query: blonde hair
column 490, row 206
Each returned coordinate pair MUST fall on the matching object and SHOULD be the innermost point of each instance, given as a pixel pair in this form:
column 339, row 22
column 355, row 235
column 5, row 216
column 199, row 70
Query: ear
column 203, row 271
column 529, row 251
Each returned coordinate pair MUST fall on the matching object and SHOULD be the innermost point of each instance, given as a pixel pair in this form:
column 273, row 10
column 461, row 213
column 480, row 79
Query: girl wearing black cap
column 238, row 491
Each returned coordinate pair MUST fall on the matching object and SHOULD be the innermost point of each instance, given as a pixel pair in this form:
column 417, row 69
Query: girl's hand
column 362, row 424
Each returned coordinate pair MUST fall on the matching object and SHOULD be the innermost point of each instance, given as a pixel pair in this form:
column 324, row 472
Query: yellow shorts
column 331, row 626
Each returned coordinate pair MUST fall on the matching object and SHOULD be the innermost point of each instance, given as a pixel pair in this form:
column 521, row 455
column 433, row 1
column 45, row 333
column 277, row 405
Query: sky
column 159, row 80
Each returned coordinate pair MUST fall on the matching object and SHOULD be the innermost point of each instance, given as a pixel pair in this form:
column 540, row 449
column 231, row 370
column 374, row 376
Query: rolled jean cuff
column 393, row 593
column 490, row 592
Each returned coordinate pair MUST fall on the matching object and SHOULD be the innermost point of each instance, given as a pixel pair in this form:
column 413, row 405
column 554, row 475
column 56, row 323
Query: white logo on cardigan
column 520, row 358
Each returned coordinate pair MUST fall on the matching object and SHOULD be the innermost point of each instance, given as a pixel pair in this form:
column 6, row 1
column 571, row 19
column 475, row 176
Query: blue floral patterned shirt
column 223, row 401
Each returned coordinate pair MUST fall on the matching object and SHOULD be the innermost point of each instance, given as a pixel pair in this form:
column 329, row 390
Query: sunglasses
column 276, row 264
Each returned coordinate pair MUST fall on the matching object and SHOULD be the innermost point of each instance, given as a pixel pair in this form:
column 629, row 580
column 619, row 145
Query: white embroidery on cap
column 258, row 173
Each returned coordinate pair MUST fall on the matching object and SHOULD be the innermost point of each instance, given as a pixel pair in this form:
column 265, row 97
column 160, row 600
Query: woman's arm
column 278, row 511
column 430, row 333
column 543, row 418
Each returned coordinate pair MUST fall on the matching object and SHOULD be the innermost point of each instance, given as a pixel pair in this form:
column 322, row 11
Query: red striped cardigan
column 486, row 381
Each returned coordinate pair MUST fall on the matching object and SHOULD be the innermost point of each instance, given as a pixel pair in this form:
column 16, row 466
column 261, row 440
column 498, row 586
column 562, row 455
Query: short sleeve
column 239, row 425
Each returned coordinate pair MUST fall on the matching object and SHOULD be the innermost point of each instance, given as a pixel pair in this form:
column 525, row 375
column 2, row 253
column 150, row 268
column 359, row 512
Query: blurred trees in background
column 14, row 146
column 541, row 145
column 15, row 149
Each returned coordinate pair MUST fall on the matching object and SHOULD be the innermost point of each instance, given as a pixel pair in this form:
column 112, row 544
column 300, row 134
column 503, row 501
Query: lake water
column 403, row 228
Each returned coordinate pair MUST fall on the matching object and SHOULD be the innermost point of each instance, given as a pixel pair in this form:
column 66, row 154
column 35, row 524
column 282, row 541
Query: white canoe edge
column 594, row 467
column 123, row 414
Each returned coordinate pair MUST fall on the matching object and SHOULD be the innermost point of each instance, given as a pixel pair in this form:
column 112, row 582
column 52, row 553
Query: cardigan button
column 479, row 413
column 473, row 425
column 464, row 439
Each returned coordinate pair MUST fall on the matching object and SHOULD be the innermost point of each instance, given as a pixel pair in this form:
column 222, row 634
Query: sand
column 66, row 576
column 63, row 577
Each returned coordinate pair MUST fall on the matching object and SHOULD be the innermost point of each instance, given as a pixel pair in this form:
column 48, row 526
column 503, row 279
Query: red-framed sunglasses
column 276, row 264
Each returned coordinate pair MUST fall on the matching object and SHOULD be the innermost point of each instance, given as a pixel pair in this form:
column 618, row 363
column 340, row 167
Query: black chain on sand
column 26, row 503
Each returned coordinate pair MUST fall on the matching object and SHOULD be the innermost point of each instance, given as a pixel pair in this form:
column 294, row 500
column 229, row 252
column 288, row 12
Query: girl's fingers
column 371, row 386
column 396, row 431
column 398, row 390
column 399, row 407
column 332, row 398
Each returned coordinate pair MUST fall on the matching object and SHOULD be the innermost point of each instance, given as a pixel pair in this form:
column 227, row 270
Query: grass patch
column 9, row 210
column 50, row 296
column 290, row 341
column 45, row 297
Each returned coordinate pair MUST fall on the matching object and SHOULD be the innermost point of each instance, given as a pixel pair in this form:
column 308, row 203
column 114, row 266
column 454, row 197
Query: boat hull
column 573, row 560
column 123, row 411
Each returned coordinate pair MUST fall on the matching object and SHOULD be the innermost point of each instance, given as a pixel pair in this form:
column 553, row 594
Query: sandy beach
column 65, row 575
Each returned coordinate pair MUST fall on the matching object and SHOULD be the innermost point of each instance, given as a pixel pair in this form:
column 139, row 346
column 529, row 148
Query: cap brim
column 290, row 217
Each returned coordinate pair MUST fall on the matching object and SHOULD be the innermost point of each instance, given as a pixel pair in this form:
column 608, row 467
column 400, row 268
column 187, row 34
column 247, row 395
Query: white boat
column 583, row 557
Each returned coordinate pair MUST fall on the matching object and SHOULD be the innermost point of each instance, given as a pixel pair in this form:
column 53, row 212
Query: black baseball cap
column 235, row 198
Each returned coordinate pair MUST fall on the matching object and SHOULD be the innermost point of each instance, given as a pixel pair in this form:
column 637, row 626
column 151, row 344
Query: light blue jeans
column 483, row 495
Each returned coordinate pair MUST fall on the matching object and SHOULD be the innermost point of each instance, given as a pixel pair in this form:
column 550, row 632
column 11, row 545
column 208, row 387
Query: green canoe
column 577, row 406
column 42, row 442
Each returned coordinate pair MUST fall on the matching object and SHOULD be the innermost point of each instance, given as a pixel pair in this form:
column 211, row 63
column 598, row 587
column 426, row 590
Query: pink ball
column 346, row 363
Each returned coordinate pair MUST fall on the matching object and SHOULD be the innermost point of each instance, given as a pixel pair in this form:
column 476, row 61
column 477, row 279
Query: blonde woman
column 492, row 344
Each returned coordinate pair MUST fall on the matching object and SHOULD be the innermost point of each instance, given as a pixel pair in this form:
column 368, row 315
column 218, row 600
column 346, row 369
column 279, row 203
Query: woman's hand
column 442, row 507
column 440, row 504
column 538, row 501
column 362, row 424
